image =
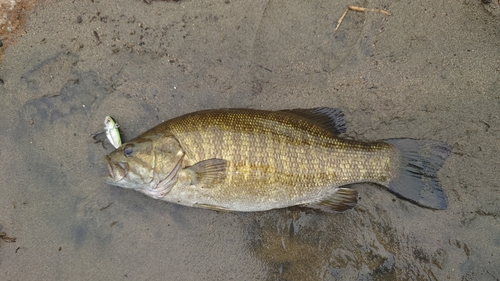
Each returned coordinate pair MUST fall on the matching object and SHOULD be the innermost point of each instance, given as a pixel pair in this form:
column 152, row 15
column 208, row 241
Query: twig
column 341, row 19
column 360, row 9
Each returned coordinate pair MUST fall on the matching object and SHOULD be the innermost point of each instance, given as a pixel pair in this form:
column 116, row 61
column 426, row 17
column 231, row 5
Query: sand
column 431, row 70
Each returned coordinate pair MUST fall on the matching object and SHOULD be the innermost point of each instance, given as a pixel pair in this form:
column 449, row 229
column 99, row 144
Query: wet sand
column 430, row 71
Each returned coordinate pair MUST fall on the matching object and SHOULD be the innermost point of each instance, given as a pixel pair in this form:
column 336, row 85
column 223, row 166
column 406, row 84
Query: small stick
column 360, row 9
column 342, row 18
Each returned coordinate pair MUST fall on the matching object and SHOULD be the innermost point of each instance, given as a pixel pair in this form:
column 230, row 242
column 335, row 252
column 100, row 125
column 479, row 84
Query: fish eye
column 128, row 150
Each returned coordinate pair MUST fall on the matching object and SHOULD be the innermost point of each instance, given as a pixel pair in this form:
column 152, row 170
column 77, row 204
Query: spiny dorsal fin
column 343, row 199
column 331, row 119
column 208, row 171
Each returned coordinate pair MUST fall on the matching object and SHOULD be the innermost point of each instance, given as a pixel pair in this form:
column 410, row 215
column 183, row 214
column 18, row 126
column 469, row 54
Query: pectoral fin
column 343, row 199
column 208, row 172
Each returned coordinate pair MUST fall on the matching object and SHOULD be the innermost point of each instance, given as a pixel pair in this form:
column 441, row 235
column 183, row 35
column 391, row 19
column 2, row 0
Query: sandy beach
column 430, row 70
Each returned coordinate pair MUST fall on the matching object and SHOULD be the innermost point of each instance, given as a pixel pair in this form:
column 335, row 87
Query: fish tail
column 416, row 179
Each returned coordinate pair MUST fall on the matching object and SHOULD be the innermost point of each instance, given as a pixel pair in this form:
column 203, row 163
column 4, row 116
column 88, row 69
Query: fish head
column 145, row 163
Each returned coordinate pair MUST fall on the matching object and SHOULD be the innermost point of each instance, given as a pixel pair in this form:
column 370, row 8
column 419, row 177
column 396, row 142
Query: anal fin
column 343, row 199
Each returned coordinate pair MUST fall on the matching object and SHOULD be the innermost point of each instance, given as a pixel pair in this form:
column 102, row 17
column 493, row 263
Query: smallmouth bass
column 256, row 160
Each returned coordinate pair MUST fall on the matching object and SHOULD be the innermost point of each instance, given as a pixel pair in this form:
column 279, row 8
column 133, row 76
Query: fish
column 112, row 131
column 250, row 160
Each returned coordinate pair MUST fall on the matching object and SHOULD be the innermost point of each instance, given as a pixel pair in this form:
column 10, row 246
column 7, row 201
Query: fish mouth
column 117, row 171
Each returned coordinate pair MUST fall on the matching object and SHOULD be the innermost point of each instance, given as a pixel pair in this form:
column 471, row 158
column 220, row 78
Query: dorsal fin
column 331, row 119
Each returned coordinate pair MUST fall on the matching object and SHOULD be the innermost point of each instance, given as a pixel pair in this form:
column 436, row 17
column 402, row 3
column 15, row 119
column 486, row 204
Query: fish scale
column 274, row 160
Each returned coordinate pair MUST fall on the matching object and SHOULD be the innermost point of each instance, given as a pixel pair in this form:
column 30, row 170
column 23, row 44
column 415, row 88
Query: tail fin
column 417, row 180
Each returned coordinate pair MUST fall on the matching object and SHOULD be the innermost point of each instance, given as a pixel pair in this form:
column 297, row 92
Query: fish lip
column 117, row 171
